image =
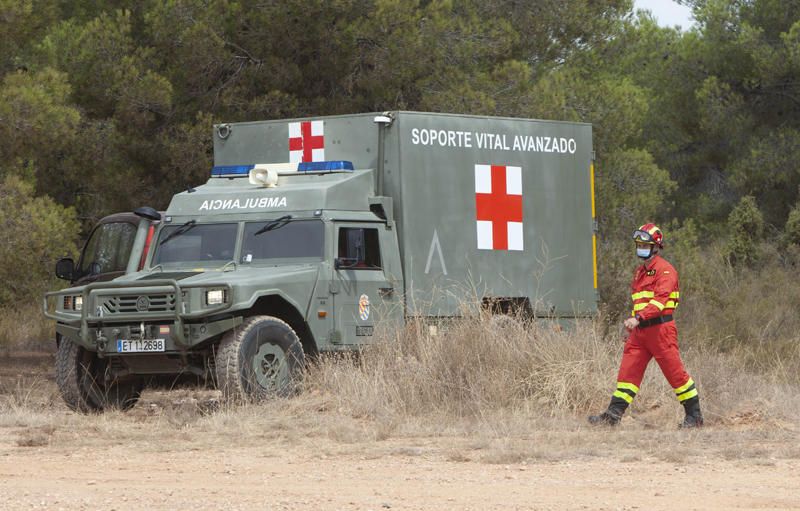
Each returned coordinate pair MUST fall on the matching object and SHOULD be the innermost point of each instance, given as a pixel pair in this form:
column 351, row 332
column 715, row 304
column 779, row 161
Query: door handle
column 385, row 291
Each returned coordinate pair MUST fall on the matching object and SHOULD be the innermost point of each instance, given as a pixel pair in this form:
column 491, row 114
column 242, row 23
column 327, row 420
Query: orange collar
column 652, row 262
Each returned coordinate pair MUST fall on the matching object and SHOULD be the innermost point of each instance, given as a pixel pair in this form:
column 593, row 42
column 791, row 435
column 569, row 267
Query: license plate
column 140, row 345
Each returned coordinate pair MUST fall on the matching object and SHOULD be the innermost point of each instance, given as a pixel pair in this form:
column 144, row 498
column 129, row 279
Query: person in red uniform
column 652, row 333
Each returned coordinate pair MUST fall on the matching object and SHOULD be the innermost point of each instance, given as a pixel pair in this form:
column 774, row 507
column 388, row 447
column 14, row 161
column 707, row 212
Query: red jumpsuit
column 655, row 296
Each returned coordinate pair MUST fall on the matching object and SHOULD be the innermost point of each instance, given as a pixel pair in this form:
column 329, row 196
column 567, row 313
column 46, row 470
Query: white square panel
column 483, row 179
column 485, row 235
column 514, row 180
column 515, row 236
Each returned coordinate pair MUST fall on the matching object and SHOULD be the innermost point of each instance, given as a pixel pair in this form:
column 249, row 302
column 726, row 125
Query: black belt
column 655, row 321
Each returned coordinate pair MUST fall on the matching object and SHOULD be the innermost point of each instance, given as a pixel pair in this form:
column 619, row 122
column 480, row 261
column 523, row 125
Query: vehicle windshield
column 203, row 243
column 288, row 240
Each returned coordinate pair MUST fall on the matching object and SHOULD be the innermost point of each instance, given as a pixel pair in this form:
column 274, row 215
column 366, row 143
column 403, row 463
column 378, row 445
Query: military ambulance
column 310, row 233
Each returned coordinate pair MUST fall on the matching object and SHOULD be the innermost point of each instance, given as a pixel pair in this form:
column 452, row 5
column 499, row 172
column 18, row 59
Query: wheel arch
column 281, row 308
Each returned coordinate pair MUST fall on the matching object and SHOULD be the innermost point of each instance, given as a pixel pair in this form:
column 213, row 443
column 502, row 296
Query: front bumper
column 113, row 311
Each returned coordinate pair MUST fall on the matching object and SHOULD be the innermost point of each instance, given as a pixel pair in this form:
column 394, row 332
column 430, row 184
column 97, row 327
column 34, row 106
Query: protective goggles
column 643, row 237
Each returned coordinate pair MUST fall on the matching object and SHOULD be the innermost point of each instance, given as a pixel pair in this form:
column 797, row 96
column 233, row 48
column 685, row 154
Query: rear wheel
column 262, row 358
column 86, row 384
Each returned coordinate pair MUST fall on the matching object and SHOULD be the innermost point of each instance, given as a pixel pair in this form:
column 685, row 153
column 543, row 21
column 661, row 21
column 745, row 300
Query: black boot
column 612, row 415
column 606, row 418
column 694, row 417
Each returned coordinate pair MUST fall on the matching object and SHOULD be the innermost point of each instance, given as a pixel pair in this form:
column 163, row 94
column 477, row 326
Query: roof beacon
column 325, row 166
column 230, row 170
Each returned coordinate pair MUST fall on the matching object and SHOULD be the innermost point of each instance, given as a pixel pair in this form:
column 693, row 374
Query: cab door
column 366, row 289
column 106, row 252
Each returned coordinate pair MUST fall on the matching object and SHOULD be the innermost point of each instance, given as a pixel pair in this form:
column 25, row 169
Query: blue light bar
column 319, row 166
column 231, row 170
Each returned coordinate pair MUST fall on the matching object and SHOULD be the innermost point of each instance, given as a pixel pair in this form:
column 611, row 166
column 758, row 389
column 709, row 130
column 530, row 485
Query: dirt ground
column 174, row 452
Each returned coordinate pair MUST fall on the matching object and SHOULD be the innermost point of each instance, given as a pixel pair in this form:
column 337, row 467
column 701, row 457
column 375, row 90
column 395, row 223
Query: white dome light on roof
column 261, row 175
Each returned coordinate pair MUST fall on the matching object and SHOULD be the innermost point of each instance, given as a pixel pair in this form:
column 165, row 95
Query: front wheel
column 260, row 359
column 85, row 383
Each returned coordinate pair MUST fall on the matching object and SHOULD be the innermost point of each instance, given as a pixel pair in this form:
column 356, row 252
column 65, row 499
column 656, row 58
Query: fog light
column 78, row 301
column 215, row 297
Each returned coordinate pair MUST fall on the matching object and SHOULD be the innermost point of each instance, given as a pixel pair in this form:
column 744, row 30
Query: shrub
column 37, row 231
column 746, row 227
column 792, row 229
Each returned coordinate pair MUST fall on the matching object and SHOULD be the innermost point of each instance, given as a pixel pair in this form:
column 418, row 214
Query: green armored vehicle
column 310, row 232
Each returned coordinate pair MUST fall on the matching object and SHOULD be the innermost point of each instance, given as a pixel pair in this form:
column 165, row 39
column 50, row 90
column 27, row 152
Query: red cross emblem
column 498, row 207
column 306, row 141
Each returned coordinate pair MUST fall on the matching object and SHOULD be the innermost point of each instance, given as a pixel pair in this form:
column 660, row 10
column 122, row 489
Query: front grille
column 126, row 304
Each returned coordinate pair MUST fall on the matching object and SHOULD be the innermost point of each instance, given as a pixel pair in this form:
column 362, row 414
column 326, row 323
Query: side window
column 108, row 248
column 359, row 248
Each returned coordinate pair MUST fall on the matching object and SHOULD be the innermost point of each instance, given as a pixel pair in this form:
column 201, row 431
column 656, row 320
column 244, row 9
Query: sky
column 667, row 12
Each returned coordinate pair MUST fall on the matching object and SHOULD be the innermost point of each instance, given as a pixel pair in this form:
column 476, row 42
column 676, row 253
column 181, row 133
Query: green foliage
column 106, row 106
column 94, row 55
column 21, row 23
column 36, row 232
column 746, row 227
column 37, row 119
column 792, row 228
column 686, row 250
column 631, row 189
column 770, row 172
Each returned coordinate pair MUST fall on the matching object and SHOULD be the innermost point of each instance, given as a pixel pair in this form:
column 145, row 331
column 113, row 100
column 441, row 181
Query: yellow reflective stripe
column 685, row 386
column 657, row 304
column 688, row 395
column 675, row 294
column 643, row 294
column 639, row 306
column 671, row 305
column 629, row 386
column 623, row 395
column 594, row 255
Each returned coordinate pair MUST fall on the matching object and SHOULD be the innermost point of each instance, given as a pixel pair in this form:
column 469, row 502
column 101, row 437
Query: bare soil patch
column 180, row 449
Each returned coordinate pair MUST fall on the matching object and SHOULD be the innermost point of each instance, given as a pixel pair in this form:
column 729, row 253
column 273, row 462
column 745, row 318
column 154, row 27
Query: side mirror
column 147, row 213
column 65, row 268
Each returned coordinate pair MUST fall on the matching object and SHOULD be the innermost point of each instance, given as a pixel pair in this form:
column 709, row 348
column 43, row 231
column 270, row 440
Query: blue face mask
column 644, row 253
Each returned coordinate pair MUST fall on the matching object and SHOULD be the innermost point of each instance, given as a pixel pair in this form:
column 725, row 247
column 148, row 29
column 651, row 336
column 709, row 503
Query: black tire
column 262, row 358
column 82, row 380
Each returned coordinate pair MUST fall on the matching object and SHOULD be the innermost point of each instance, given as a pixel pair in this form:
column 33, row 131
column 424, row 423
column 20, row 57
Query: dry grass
column 477, row 369
column 473, row 367
column 25, row 329
column 485, row 391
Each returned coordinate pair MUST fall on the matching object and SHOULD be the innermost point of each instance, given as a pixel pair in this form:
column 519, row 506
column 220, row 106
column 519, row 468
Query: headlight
column 72, row 302
column 215, row 297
